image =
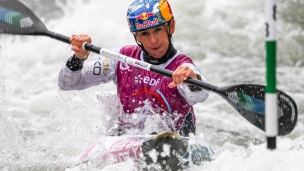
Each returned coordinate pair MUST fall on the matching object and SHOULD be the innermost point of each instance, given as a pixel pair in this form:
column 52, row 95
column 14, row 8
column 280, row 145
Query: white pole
column 271, row 117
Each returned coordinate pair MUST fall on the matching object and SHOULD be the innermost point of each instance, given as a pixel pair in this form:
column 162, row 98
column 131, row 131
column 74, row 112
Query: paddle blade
column 249, row 101
column 16, row 18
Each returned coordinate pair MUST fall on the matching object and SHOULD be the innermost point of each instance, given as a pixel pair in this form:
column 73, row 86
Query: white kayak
column 166, row 150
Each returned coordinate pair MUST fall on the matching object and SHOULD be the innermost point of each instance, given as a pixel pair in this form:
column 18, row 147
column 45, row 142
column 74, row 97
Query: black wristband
column 195, row 88
column 74, row 64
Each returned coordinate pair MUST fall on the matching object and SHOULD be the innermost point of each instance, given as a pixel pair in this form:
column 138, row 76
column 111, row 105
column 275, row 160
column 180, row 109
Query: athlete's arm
column 77, row 74
column 91, row 73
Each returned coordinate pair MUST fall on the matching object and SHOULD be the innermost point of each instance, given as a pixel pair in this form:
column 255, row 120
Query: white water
column 43, row 128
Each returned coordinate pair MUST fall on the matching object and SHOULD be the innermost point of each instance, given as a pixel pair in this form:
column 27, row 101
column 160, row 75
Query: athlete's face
column 155, row 40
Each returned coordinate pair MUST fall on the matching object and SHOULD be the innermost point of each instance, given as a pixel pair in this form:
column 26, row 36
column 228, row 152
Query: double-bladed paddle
column 247, row 99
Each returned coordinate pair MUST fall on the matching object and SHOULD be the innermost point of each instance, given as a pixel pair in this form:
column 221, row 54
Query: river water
column 44, row 128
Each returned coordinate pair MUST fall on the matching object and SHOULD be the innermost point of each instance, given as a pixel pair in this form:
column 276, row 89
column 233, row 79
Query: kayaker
column 152, row 24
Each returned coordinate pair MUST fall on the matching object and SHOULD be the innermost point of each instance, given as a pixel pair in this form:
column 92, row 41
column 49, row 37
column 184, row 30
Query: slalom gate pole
column 271, row 117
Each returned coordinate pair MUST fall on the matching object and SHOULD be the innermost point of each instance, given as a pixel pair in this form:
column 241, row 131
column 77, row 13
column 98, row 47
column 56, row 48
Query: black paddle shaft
column 247, row 99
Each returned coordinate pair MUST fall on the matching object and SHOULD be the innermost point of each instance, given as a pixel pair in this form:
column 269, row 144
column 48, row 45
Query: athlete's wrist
column 74, row 63
column 82, row 56
column 195, row 88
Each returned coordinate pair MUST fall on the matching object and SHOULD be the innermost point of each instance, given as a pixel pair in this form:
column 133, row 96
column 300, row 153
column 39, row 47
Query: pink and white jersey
column 135, row 85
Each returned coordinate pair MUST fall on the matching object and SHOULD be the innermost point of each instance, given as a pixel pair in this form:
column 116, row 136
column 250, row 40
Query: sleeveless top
column 136, row 86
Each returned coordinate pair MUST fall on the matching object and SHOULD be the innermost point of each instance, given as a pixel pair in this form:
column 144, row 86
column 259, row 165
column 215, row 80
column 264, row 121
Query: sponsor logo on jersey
column 124, row 66
column 146, row 80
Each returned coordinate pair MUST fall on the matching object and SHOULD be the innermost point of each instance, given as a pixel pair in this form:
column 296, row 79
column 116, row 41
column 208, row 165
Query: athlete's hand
column 180, row 75
column 76, row 42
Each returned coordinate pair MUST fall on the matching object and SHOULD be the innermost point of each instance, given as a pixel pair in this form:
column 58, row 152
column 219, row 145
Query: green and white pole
column 271, row 117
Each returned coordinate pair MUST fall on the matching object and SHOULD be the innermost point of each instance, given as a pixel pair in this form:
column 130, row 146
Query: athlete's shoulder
column 129, row 49
column 182, row 58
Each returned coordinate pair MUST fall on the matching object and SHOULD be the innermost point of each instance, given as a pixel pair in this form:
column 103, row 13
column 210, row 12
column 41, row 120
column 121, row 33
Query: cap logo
column 145, row 16
column 147, row 23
